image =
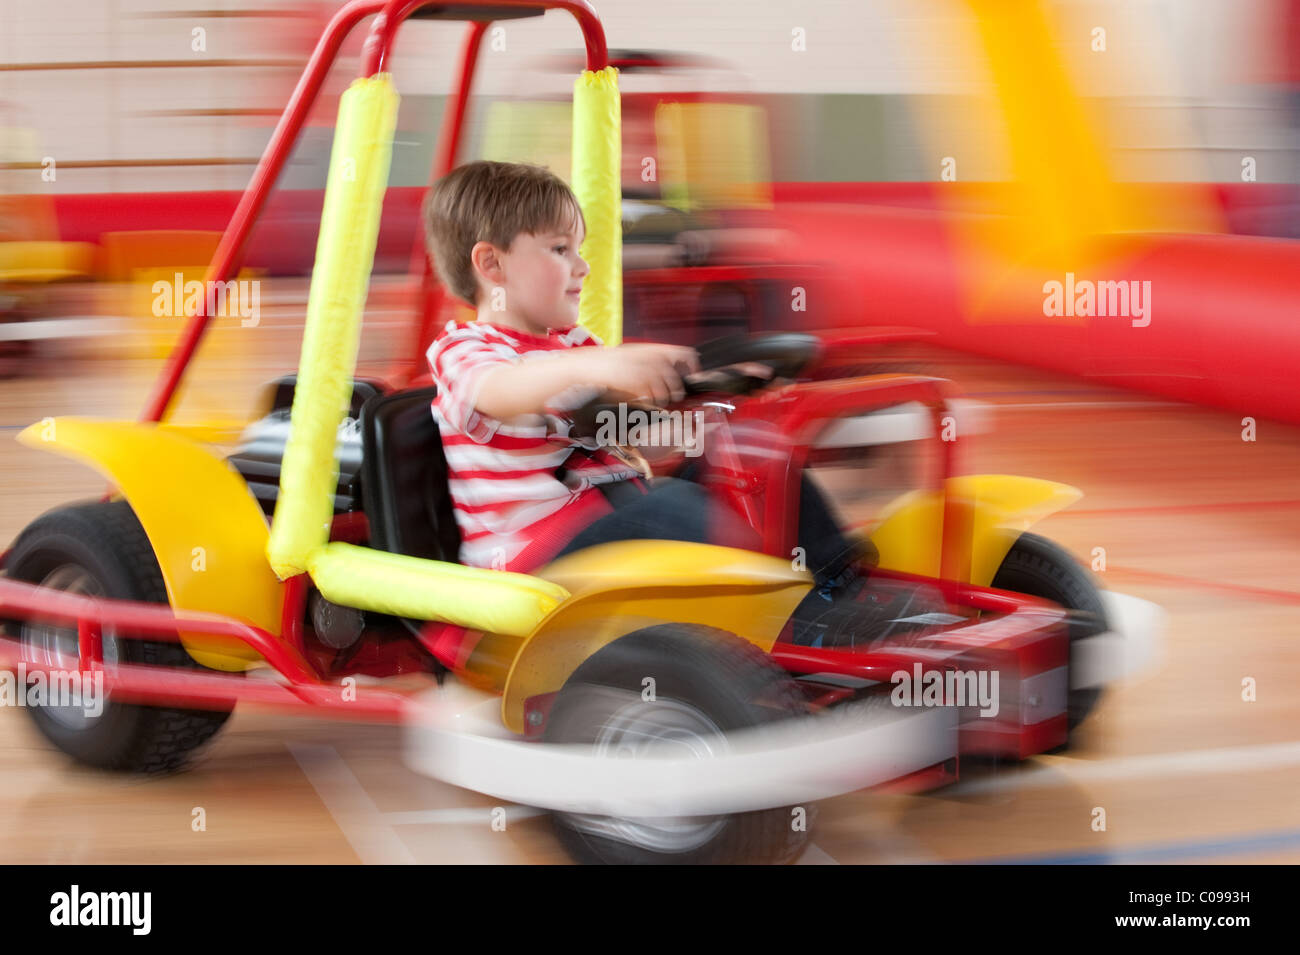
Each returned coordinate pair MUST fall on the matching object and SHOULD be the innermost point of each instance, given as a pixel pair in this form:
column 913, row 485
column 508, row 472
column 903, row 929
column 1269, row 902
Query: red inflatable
column 1213, row 319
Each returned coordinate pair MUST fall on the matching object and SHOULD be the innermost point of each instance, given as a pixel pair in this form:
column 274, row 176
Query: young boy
column 505, row 238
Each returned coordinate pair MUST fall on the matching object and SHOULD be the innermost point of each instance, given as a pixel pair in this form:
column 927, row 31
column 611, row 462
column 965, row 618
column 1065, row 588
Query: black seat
column 259, row 455
column 404, row 478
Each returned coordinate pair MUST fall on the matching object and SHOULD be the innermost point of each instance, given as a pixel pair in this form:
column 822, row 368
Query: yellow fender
column 983, row 516
column 206, row 528
column 623, row 586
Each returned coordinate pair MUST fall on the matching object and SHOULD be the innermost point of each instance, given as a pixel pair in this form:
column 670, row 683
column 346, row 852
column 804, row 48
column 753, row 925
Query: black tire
column 106, row 541
column 735, row 685
column 1037, row 567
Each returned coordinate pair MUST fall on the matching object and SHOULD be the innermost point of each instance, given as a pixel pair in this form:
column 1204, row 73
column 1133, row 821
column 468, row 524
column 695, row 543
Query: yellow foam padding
column 345, row 254
column 495, row 601
column 597, row 182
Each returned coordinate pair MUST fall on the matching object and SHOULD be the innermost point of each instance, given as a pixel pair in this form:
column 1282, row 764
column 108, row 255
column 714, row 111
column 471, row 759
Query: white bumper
column 1131, row 646
column 456, row 735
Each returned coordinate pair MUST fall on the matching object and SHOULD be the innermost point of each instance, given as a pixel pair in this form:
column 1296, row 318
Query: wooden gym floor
column 1190, row 516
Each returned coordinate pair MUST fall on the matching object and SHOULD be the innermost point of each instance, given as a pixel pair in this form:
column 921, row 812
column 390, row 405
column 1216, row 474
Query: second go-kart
column 180, row 594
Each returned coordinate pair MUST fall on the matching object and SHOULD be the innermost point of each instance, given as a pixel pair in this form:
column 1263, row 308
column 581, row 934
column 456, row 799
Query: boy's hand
column 644, row 372
column 650, row 373
column 754, row 369
column 751, row 369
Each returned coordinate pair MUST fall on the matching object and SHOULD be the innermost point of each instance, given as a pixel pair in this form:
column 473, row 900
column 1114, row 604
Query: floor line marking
column 1180, row 580
column 1154, row 852
column 1205, row 507
column 816, row 855
column 1057, row 405
column 1055, row 771
column 458, row 816
column 354, row 812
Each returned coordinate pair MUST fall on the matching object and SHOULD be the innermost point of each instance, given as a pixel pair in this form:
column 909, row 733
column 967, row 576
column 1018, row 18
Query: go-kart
column 178, row 594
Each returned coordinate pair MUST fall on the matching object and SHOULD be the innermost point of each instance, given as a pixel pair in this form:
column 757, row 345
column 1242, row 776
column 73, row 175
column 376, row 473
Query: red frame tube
column 231, row 247
column 384, row 31
column 132, row 619
column 164, row 686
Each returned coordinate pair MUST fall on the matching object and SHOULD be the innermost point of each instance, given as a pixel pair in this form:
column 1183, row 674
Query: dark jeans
column 678, row 509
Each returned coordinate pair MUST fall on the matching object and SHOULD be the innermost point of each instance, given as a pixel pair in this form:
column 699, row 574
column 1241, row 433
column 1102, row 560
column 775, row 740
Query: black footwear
column 863, row 611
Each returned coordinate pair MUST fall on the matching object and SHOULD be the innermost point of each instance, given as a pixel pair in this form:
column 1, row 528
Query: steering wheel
column 786, row 353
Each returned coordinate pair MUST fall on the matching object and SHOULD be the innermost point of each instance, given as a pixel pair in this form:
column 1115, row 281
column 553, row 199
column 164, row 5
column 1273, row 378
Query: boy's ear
column 486, row 259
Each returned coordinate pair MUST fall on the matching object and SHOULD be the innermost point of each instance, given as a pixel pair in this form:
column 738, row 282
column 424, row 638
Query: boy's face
column 540, row 278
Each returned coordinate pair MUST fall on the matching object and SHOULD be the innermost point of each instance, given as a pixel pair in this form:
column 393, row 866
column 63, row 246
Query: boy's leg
column 848, row 607
column 672, row 510
column 828, row 554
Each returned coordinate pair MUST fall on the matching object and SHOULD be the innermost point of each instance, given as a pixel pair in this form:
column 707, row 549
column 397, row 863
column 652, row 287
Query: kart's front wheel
column 1037, row 567
column 706, row 683
column 100, row 550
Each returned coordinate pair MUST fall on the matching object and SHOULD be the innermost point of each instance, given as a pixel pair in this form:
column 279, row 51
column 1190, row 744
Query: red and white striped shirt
column 502, row 476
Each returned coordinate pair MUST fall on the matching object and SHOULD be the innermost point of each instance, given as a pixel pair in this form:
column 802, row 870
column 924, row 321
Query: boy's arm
column 628, row 372
column 526, row 387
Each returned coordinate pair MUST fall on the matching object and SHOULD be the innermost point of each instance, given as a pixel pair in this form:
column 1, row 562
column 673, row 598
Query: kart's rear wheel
column 706, row 683
column 1037, row 567
column 99, row 549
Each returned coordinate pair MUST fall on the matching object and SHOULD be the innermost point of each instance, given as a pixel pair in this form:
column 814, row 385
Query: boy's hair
column 492, row 202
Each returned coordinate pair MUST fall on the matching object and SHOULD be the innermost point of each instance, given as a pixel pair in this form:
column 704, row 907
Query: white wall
column 1189, row 69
